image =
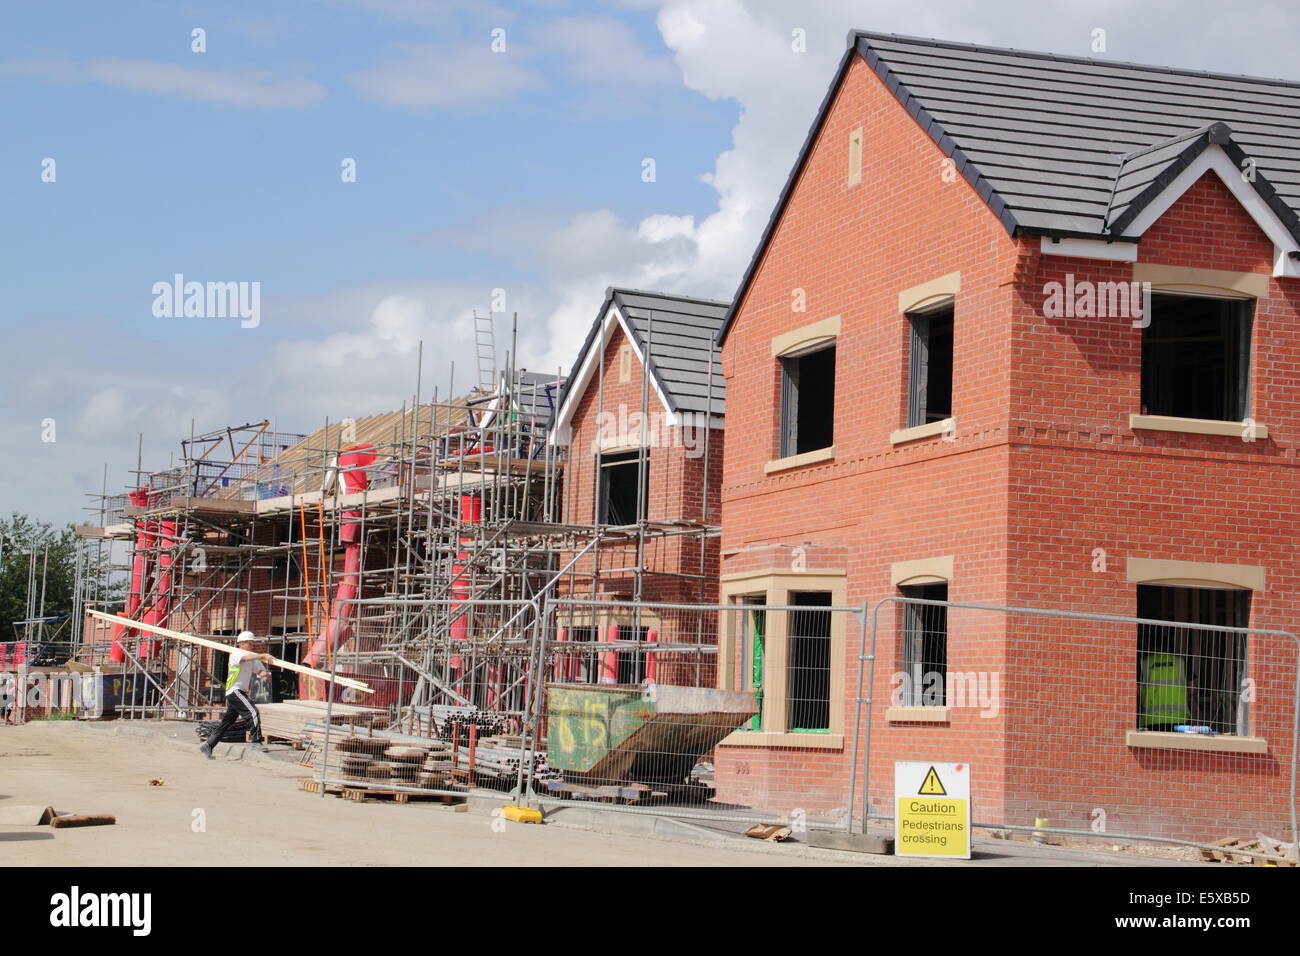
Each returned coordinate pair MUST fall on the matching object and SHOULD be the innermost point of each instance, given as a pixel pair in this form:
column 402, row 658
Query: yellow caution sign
column 932, row 809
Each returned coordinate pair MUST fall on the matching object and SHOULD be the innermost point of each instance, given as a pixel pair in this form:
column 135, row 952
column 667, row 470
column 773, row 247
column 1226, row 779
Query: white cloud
column 429, row 76
column 370, row 365
column 601, row 52
column 394, row 329
column 250, row 88
column 154, row 406
column 105, row 413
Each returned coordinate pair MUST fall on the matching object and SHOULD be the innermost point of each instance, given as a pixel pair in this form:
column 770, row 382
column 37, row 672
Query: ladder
column 486, row 345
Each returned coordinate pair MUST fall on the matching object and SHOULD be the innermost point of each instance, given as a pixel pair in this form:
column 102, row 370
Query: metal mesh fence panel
column 1178, row 726
column 698, row 710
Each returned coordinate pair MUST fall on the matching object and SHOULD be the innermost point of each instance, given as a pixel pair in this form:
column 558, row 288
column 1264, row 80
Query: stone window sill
column 1192, row 426
column 1228, row 744
column 759, row 738
column 798, row 461
column 928, row 430
column 918, row 715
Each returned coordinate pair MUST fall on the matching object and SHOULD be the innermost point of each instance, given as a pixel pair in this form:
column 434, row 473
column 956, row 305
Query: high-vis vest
column 1164, row 691
column 233, row 674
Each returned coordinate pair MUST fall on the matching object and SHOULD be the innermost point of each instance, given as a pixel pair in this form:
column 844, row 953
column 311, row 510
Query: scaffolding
column 415, row 550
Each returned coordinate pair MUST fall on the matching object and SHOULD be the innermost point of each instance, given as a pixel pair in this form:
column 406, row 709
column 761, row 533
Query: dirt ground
column 254, row 814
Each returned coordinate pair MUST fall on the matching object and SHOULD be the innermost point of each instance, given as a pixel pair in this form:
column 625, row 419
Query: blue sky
column 151, row 182
column 150, row 179
column 476, row 170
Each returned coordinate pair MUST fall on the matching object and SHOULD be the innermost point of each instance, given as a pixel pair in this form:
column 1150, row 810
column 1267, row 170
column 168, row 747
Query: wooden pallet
column 361, row 795
column 1231, row 851
column 313, row 786
column 609, row 793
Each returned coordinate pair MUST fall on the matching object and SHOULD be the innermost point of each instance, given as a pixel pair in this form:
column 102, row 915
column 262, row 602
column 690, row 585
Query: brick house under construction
column 645, row 448
column 936, row 391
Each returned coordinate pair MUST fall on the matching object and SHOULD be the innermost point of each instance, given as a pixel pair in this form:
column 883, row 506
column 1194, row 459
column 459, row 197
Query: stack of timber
column 435, row 772
column 405, row 764
column 289, row 720
column 382, row 764
column 623, row 793
column 349, row 744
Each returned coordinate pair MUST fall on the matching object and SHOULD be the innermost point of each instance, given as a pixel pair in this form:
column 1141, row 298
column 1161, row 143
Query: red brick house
column 645, row 442
column 1022, row 331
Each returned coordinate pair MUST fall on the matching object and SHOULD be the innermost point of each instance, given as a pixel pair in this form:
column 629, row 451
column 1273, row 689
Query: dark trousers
column 237, row 705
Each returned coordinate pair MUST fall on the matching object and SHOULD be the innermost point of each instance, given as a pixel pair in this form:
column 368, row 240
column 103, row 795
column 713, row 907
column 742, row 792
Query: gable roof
column 681, row 332
column 1074, row 147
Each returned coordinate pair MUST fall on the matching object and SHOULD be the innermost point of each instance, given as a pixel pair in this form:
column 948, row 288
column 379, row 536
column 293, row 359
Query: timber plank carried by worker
column 228, row 649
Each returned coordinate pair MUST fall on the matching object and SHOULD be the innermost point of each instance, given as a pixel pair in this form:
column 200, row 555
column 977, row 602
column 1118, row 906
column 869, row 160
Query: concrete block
column 853, row 842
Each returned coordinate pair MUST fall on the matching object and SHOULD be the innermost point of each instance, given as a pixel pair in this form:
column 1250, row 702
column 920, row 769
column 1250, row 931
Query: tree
column 56, row 557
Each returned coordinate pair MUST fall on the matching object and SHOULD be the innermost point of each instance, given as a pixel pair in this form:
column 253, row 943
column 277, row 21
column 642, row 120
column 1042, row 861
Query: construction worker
column 244, row 663
column 1164, row 693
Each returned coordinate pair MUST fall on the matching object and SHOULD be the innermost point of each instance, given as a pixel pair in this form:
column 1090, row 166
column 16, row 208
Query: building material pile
column 288, row 720
column 496, row 761
column 377, row 760
column 1261, row 851
column 376, row 756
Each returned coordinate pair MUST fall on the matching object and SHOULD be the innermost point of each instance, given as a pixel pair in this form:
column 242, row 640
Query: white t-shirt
column 244, row 665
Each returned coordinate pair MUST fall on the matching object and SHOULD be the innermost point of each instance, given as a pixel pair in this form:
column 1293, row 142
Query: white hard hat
column 245, row 636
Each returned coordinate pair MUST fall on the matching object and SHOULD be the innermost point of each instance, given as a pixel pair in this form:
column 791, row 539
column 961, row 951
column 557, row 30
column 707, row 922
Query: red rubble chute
column 353, row 462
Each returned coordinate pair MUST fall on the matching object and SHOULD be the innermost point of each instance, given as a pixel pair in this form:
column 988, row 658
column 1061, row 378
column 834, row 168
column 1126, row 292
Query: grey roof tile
column 1121, row 126
column 682, row 333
